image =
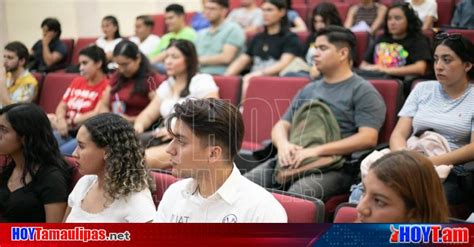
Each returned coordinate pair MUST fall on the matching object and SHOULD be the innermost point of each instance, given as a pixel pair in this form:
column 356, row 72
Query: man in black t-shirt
column 272, row 50
column 49, row 53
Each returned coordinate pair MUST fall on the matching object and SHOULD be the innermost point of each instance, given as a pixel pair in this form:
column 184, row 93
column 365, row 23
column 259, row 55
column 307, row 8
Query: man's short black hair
column 176, row 8
column 147, row 20
column 19, row 49
column 340, row 37
column 223, row 3
column 52, row 24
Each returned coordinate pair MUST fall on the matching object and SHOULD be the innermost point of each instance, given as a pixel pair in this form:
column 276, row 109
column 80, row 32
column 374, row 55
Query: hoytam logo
column 404, row 234
column 74, row 234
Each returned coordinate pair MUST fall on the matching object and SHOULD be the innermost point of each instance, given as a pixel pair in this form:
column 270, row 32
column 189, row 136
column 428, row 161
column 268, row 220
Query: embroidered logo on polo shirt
column 231, row 218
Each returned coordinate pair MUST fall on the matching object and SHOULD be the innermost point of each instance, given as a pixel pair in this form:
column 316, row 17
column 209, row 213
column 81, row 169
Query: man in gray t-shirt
column 357, row 106
column 354, row 102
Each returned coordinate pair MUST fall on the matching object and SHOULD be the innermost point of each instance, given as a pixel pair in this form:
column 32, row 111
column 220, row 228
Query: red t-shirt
column 80, row 97
column 134, row 103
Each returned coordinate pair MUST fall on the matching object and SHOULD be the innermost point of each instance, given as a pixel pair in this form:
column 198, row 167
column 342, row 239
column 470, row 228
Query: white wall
column 21, row 19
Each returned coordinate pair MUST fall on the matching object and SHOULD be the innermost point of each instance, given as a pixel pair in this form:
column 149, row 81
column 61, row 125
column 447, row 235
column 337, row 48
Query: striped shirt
column 366, row 14
column 431, row 108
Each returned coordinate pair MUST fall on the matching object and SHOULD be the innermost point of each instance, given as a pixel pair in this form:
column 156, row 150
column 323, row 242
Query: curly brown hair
column 125, row 170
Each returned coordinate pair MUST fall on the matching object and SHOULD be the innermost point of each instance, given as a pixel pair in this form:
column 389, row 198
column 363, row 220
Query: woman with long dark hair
column 183, row 82
column 444, row 106
column 110, row 28
column 402, row 50
column 81, row 99
column 35, row 182
column 132, row 87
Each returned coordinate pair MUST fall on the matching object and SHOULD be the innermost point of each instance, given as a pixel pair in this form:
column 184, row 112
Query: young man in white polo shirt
column 207, row 134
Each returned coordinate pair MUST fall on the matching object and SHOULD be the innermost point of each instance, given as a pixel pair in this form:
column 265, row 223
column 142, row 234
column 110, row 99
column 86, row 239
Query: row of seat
column 305, row 7
column 74, row 47
column 266, row 101
column 299, row 208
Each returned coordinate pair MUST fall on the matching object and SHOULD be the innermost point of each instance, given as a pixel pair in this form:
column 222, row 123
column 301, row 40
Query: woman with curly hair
column 115, row 187
column 34, row 183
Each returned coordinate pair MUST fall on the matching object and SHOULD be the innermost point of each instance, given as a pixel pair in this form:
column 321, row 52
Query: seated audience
column 199, row 21
column 249, row 16
column 402, row 50
column 146, row 41
column 464, row 15
column 446, row 107
column 177, row 29
column 218, row 45
column 183, row 82
column 132, row 86
column 402, row 187
column 355, row 106
column 35, row 182
column 367, row 16
column 270, row 51
column 18, row 84
column 49, row 53
column 202, row 153
column 111, row 38
column 115, row 185
column 295, row 22
column 81, row 100
column 427, row 11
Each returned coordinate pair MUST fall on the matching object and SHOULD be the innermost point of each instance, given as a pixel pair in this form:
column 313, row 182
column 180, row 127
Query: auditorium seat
column 39, row 78
column 70, row 48
column 81, row 43
column 266, row 101
column 76, row 175
column 302, row 10
column 346, row 213
column 189, row 17
column 445, row 12
column 468, row 33
column 162, row 181
column 159, row 28
column 299, row 208
column 229, row 88
column 391, row 91
column 303, row 37
column 54, row 86
column 362, row 39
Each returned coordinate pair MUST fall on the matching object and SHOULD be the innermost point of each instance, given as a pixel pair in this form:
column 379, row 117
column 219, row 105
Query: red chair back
column 229, row 88
column 81, row 44
column 76, row 175
column 162, row 182
column 159, row 28
column 52, row 91
column 445, row 12
column 299, row 208
column 362, row 43
column 468, row 33
column 391, row 91
column 70, row 48
column 346, row 213
column 267, row 99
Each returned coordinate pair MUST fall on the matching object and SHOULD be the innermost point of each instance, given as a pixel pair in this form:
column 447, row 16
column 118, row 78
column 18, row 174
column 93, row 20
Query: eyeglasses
column 450, row 36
